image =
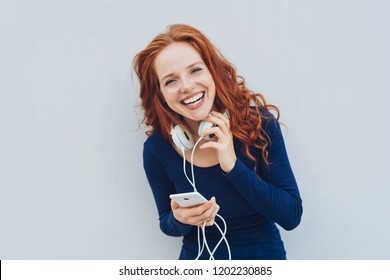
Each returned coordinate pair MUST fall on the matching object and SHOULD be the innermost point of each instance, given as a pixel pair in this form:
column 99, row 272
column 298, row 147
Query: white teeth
column 193, row 99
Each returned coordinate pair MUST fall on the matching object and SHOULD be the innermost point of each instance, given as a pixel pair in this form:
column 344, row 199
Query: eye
column 196, row 69
column 168, row 82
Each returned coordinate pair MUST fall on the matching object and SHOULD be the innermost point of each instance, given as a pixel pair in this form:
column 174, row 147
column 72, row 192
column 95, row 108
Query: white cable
column 223, row 237
column 192, row 161
column 205, row 244
column 200, row 250
column 184, row 169
column 223, row 233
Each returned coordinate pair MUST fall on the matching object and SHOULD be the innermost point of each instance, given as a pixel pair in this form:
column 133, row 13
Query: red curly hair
column 231, row 92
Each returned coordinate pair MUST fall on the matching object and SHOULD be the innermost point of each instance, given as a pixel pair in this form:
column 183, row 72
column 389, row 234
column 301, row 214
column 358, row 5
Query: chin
column 202, row 116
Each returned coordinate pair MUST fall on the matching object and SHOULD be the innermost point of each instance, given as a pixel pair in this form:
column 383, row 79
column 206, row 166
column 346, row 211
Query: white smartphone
column 188, row 199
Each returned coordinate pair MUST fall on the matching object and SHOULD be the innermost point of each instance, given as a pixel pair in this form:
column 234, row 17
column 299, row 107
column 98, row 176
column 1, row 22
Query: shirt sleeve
column 276, row 194
column 162, row 188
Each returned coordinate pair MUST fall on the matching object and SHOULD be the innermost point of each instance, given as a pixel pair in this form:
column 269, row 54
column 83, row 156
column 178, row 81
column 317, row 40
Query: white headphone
column 183, row 139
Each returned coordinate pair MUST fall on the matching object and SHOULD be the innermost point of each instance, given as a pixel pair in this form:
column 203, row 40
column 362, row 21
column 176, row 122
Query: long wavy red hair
column 231, row 93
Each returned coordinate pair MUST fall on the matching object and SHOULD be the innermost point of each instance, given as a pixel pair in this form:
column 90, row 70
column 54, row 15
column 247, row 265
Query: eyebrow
column 189, row 66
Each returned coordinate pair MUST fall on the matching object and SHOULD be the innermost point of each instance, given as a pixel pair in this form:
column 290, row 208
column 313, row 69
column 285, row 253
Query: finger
column 222, row 117
column 211, row 144
column 219, row 121
column 209, row 213
column 210, row 217
column 206, row 215
column 215, row 212
column 219, row 124
column 201, row 209
column 221, row 136
column 221, row 144
column 210, row 223
column 186, row 216
column 174, row 205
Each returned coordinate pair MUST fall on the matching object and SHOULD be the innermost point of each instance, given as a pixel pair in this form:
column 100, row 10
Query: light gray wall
column 71, row 179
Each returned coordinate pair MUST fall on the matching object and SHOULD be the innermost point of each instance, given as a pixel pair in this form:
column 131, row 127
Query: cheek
column 210, row 81
column 166, row 95
column 212, row 87
column 170, row 99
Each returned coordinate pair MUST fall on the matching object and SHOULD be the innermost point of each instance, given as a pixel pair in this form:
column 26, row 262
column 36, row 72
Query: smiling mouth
column 195, row 100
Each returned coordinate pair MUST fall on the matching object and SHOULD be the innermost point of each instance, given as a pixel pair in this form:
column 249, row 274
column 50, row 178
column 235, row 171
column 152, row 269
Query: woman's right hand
column 196, row 215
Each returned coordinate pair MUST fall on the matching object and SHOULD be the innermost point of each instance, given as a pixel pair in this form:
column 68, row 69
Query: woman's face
column 185, row 81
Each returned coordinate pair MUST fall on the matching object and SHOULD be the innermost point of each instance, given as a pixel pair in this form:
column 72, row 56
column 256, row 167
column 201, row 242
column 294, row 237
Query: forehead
column 176, row 57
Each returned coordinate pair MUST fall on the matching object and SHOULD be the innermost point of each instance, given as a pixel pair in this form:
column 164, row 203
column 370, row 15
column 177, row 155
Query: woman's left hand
column 224, row 141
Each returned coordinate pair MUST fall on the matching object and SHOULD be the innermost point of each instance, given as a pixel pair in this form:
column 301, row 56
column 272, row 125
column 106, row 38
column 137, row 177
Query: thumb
column 174, row 205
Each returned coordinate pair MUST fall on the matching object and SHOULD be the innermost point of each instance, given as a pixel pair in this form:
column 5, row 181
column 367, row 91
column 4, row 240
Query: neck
column 193, row 127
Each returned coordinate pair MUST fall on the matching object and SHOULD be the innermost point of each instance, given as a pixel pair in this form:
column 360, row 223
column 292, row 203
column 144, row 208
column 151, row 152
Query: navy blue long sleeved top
column 251, row 203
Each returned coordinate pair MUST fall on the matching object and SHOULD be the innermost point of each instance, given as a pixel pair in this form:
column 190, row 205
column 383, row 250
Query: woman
column 243, row 170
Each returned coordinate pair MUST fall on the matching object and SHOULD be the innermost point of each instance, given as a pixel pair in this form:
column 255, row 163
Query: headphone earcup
column 182, row 138
column 203, row 126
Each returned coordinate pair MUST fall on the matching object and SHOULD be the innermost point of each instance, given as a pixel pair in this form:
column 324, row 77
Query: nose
column 187, row 85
